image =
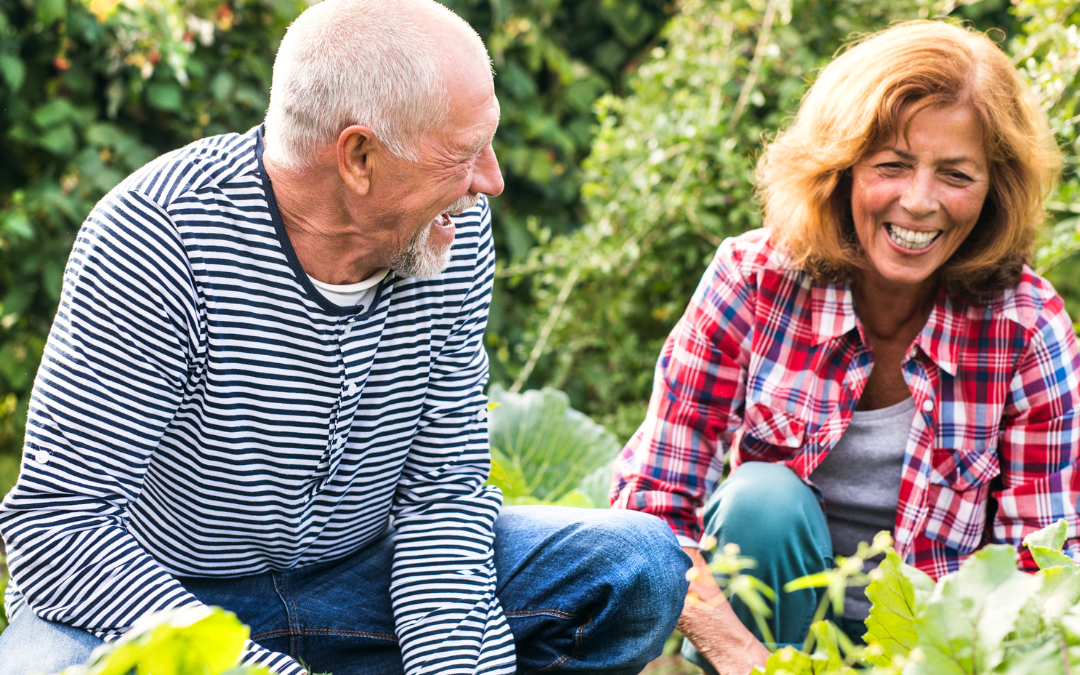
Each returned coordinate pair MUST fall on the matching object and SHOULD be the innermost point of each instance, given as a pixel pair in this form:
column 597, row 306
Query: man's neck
column 328, row 244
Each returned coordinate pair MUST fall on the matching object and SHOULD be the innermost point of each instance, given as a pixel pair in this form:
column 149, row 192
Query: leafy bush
column 671, row 174
column 988, row 617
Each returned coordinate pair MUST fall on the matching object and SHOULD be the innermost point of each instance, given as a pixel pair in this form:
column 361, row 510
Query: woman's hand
column 710, row 624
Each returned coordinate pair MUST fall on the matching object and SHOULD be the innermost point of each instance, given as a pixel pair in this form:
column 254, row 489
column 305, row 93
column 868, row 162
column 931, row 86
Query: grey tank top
column 860, row 480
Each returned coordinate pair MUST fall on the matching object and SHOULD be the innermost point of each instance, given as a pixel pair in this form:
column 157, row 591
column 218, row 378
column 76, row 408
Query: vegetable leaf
column 898, row 597
column 1045, row 545
column 544, row 447
column 964, row 626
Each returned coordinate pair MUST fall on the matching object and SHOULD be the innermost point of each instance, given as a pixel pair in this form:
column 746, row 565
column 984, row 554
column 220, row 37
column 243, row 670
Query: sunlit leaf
column 1046, row 544
column 898, row 597
column 965, row 623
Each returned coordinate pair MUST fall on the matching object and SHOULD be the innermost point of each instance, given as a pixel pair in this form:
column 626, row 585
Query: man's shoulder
column 206, row 163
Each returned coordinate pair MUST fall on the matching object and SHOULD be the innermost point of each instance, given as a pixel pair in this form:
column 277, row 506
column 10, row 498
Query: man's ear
column 355, row 146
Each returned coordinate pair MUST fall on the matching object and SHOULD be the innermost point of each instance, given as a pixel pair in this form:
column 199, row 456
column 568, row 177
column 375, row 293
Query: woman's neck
column 893, row 312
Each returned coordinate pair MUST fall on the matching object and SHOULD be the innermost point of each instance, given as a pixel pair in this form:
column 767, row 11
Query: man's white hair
column 370, row 62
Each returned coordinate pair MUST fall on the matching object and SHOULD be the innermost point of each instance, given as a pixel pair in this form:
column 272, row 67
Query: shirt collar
column 833, row 312
column 940, row 338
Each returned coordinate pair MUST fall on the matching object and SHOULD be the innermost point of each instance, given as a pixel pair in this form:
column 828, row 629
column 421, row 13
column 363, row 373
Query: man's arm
column 443, row 578
column 111, row 380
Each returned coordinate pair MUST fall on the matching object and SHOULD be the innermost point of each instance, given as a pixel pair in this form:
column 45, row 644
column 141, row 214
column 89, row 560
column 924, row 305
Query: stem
column 755, row 64
column 545, row 332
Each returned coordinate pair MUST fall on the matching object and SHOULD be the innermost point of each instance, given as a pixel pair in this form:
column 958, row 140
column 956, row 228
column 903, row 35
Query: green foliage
column 988, row 617
column 544, row 452
column 899, row 594
column 186, row 641
column 88, row 93
column 553, row 59
column 91, row 90
column 671, row 174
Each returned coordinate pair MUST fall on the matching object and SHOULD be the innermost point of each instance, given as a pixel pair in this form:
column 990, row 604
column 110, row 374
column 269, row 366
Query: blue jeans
column 583, row 590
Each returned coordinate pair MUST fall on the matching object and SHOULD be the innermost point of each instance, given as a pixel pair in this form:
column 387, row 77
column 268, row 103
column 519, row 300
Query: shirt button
column 927, row 405
column 340, row 442
column 41, row 457
column 482, row 415
column 353, row 389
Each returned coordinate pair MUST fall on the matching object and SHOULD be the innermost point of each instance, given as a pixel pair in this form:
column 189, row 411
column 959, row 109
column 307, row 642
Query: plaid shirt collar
column 835, row 315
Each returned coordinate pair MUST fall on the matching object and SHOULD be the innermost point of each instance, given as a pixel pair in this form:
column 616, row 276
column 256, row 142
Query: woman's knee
column 762, row 501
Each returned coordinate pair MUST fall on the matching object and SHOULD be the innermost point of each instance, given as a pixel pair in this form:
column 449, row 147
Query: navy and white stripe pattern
column 201, row 410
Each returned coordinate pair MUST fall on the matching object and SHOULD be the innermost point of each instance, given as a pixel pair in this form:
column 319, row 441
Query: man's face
column 456, row 166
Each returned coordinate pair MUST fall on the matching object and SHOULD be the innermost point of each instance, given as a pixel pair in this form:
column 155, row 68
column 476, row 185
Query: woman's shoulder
column 753, row 253
column 1031, row 302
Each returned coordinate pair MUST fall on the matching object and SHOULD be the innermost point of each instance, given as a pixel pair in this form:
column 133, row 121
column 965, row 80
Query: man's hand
column 710, row 624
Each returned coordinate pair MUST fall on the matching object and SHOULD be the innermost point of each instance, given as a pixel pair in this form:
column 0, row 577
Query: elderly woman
column 878, row 357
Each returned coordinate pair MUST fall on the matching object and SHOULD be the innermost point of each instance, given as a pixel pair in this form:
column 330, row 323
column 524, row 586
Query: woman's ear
column 355, row 147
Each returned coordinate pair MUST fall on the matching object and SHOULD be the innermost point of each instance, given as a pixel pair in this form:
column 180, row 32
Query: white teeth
column 911, row 239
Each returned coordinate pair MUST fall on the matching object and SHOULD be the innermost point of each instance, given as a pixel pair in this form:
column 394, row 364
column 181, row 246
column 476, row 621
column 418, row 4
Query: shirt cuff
column 687, row 542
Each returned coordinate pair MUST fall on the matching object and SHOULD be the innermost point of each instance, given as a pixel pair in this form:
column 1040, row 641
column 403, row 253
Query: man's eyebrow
column 476, row 146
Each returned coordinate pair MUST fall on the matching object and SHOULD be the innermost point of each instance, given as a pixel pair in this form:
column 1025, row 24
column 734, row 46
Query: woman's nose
column 919, row 197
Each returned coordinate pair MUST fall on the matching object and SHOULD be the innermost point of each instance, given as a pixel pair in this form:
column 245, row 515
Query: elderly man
column 263, row 390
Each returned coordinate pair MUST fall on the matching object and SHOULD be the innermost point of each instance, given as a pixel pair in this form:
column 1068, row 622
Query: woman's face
column 915, row 200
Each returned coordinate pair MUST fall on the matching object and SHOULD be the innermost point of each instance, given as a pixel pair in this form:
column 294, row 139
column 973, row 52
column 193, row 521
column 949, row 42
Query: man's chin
column 423, row 264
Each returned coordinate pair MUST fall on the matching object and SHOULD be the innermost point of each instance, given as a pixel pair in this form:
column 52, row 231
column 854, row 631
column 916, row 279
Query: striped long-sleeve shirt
column 201, row 410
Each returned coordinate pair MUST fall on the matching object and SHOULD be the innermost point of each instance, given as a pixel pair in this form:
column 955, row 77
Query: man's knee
column 32, row 645
column 651, row 547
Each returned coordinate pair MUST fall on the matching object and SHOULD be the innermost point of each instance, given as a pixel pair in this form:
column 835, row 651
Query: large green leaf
column 898, row 598
column 1045, row 546
column 1059, row 593
column 542, row 448
column 187, row 641
column 963, row 630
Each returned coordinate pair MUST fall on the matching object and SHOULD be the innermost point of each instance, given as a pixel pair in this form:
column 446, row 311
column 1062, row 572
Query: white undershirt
column 350, row 295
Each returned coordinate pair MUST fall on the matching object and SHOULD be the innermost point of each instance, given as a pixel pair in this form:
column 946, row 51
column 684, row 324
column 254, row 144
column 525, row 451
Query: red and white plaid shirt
column 770, row 363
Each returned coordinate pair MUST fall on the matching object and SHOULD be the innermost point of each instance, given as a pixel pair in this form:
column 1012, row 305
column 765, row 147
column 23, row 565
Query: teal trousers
column 777, row 520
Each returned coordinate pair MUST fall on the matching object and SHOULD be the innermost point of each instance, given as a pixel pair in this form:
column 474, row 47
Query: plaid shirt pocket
column 769, row 435
column 957, row 518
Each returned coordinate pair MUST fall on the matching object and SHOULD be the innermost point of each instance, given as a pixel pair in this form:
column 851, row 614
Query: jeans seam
column 579, row 636
column 293, row 618
column 533, row 612
column 324, row 631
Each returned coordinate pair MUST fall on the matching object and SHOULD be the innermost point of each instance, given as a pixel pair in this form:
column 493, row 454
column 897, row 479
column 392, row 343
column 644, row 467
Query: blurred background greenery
column 629, row 133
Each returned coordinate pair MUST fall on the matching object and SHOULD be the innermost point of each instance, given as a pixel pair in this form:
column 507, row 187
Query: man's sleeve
column 1040, row 437
column 111, row 379
column 443, row 579
column 676, row 455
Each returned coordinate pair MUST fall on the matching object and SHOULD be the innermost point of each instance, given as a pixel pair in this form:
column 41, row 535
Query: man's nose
column 486, row 177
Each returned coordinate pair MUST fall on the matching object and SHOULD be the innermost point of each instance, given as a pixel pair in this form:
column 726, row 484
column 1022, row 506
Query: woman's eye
column 959, row 176
column 890, row 167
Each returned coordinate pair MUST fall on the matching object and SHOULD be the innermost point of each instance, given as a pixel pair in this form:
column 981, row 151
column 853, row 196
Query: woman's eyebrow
column 947, row 160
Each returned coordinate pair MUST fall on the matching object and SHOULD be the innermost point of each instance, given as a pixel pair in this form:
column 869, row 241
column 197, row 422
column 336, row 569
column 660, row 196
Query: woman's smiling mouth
column 912, row 240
